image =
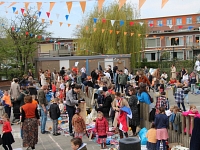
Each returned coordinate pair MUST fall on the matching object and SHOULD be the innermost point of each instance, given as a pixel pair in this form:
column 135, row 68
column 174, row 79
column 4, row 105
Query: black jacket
column 54, row 111
column 32, row 90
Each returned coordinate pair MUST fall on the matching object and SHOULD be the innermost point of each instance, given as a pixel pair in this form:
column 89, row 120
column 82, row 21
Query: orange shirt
column 151, row 135
column 29, row 109
column 7, row 100
column 34, row 102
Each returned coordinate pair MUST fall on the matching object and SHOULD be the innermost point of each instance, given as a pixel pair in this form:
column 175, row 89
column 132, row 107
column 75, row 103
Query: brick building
column 177, row 35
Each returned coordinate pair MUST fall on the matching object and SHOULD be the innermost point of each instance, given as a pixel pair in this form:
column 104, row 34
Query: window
column 159, row 23
column 152, row 42
column 189, row 55
column 150, row 23
column 198, row 19
column 197, row 39
column 178, row 55
column 169, row 22
column 189, row 20
column 178, row 21
column 189, row 40
column 174, row 41
column 150, row 56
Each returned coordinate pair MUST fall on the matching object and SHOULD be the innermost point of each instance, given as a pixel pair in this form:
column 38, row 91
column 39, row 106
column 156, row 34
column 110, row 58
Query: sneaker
column 55, row 134
column 58, row 133
column 71, row 134
column 45, row 132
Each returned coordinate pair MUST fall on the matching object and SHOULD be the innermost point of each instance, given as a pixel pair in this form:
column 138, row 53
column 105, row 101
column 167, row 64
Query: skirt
column 162, row 134
column 151, row 146
column 30, row 132
column 8, row 138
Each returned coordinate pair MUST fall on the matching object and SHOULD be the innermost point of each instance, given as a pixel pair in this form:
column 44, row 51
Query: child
column 53, row 87
column 7, row 103
column 161, row 102
column 162, row 86
column 2, row 111
column 101, row 127
column 34, row 101
column 77, row 144
column 54, row 113
column 7, row 135
column 179, row 96
column 79, row 124
column 62, row 85
column 161, row 124
column 193, row 82
column 60, row 94
column 61, row 106
column 151, row 136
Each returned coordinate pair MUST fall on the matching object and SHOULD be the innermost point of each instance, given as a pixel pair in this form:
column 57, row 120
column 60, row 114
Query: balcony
column 61, row 53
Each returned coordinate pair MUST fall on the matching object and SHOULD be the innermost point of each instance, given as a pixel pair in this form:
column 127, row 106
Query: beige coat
column 14, row 91
column 114, row 106
column 173, row 72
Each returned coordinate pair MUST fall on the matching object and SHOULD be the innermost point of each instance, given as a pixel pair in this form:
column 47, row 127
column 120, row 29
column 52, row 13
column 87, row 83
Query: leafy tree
column 92, row 40
column 25, row 32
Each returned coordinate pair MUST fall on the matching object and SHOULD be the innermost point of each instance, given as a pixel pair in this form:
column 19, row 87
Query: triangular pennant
column 190, row 27
column 13, row 28
column 170, row 26
column 48, row 14
column 13, row 3
column 69, row 25
column 86, row 28
column 132, row 34
column 39, row 13
column 22, row 10
column 151, row 24
column 17, row 29
column 69, row 6
column 26, row 5
column 83, row 4
column 31, row 34
column 100, row 4
column 24, row 14
column 61, row 24
column 180, row 27
column 111, row 31
column 51, row 6
column 112, row 22
column 147, row 35
column 102, row 30
column 141, row 23
column 121, row 3
column 162, row 37
column 26, row 33
column 1, row 3
column 121, row 22
column 139, row 35
column 16, row 12
column 57, row 16
column 66, row 16
column 141, row 2
column 117, row 32
column 51, row 21
column 95, row 29
column 125, row 33
column 131, row 23
column 104, row 20
column 14, row 9
column 163, row 3
column 160, row 25
column 95, row 20
column 39, row 4
column 43, row 20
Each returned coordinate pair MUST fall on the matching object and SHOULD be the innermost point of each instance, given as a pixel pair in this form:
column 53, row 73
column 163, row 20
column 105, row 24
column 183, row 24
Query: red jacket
column 101, row 126
column 6, row 127
column 53, row 88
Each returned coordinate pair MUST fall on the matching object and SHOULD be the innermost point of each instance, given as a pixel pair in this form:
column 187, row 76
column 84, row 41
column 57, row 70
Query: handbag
column 1, row 141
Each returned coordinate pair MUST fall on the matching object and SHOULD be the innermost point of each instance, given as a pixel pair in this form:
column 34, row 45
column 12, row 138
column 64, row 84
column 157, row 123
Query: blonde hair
column 5, row 115
column 100, row 113
column 192, row 106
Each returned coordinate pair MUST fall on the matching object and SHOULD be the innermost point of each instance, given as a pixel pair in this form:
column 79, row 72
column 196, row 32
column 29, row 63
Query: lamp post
column 173, row 56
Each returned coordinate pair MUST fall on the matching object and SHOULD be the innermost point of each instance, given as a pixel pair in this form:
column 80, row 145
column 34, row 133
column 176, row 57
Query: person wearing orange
column 7, row 103
column 75, row 70
column 34, row 101
column 143, row 78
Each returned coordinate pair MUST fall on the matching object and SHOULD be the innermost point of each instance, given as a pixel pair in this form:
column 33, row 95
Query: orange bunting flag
column 86, row 28
column 51, row 21
column 51, row 6
column 125, row 33
column 16, row 12
column 100, row 4
column 43, row 20
column 25, row 14
column 162, row 37
column 69, row 6
column 83, row 4
column 163, row 3
column 1, row 3
column 69, row 25
column 26, row 5
column 39, row 4
column 61, row 24
column 102, row 30
column 141, row 2
column 139, row 35
column 132, row 34
column 154, row 36
column 111, row 31
column 121, row 3
column 13, row 3
column 117, row 32
column 95, row 29
column 147, row 35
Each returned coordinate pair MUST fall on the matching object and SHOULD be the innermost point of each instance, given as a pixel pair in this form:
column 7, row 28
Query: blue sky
column 151, row 8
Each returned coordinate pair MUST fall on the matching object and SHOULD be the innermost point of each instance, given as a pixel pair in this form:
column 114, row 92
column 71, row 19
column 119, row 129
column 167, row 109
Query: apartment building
column 178, row 36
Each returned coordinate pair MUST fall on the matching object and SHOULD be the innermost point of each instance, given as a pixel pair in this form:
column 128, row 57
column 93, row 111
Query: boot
column 104, row 146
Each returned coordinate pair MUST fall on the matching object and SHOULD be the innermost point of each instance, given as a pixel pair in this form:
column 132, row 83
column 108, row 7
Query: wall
column 45, row 48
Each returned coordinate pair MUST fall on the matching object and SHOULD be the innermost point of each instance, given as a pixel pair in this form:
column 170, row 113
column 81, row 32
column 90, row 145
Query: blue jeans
column 117, row 87
column 193, row 88
column 186, row 98
column 43, row 119
column 158, row 144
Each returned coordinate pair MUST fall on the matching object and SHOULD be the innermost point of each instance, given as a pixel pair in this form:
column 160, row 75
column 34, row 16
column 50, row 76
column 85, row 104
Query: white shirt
column 126, row 71
column 62, row 86
column 107, row 74
column 83, row 69
column 185, row 77
column 197, row 65
column 164, row 76
column 61, row 107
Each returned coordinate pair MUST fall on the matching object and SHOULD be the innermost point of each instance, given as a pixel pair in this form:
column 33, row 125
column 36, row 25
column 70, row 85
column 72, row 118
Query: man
column 115, row 68
column 53, row 76
column 62, row 71
column 71, row 102
column 117, row 86
column 43, row 107
column 122, row 80
column 107, row 74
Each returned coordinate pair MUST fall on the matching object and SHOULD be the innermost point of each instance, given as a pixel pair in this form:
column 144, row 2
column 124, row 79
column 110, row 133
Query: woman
column 117, row 104
column 143, row 95
column 143, row 78
column 173, row 71
column 30, row 122
column 107, row 104
column 133, row 101
column 43, row 79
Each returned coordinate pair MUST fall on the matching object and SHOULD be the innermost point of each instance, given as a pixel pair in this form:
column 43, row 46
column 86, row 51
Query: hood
column 82, row 146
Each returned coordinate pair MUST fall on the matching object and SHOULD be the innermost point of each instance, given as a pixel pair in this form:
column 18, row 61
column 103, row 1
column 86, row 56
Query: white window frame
column 178, row 22
column 189, row 19
column 155, row 43
column 159, row 22
column 198, row 19
column 170, row 20
column 174, row 37
column 176, row 51
column 150, row 52
column 150, row 22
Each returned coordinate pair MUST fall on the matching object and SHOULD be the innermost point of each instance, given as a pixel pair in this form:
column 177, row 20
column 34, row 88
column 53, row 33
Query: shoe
column 58, row 133
column 71, row 134
column 45, row 132
column 55, row 134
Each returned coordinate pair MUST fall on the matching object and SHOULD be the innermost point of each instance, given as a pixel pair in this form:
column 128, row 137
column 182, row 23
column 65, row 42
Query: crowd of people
column 115, row 91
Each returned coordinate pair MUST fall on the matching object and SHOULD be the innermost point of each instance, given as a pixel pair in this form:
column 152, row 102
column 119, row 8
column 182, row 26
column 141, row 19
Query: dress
column 7, row 136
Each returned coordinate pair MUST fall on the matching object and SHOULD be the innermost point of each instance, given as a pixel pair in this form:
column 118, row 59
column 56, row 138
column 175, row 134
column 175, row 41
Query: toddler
column 7, row 103
column 53, row 88
column 77, row 144
column 101, row 127
column 61, row 107
column 151, row 136
column 79, row 124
